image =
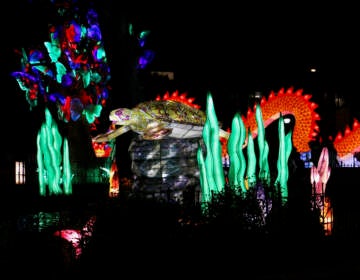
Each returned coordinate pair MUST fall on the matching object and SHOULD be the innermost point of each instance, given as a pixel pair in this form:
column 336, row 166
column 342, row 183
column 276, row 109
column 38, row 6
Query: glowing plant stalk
column 211, row 169
column 211, row 138
column 49, row 144
column 285, row 147
column 236, row 155
column 251, row 165
column 264, row 172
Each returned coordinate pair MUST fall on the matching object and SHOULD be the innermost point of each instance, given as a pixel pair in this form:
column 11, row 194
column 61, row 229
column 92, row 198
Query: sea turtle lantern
column 172, row 116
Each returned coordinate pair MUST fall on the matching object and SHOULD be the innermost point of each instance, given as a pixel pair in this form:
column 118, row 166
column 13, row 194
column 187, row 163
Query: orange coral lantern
column 347, row 144
column 288, row 102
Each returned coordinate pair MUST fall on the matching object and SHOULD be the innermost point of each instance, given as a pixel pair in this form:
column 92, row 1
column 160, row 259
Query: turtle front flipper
column 105, row 137
column 156, row 130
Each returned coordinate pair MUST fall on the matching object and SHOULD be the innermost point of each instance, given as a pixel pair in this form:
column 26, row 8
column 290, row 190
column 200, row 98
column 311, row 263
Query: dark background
column 230, row 50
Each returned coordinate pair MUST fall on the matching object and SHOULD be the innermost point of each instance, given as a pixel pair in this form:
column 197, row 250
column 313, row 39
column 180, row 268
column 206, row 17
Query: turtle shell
column 173, row 111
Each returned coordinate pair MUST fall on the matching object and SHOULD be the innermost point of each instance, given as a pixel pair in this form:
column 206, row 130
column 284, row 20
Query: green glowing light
column 212, row 140
column 285, row 147
column 236, row 155
column 50, row 158
column 264, row 170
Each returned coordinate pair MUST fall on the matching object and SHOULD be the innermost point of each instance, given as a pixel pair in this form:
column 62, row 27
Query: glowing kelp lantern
column 264, row 170
column 251, row 164
column 53, row 159
column 210, row 171
column 285, row 148
column 212, row 176
column 236, row 155
column 238, row 163
column 213, row 160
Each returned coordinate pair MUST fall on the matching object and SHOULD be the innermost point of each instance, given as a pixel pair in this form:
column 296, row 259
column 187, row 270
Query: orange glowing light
column 288, row 102
column 348, row 143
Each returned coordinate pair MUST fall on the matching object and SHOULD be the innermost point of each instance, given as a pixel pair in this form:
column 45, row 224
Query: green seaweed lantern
column 236, row 155
column 211, row 170
column 212, row 177
column 264, row 170
column 285, row 147
column 251, row 166
column 53, row 167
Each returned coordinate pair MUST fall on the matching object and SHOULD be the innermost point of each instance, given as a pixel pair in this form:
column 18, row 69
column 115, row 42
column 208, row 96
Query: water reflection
column 41, row 221
column 76, row 231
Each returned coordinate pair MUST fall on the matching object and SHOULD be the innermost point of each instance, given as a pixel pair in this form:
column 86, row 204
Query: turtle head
column 122, row 116
column 134, row 119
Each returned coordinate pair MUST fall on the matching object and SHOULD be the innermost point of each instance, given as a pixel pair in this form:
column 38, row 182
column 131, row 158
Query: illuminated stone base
column 166, row 169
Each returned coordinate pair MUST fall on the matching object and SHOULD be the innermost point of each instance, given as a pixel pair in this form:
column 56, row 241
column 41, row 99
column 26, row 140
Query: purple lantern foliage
column 70, row 70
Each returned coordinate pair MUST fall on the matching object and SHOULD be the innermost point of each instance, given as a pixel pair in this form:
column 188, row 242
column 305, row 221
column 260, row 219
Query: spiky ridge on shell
column 175, row 96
